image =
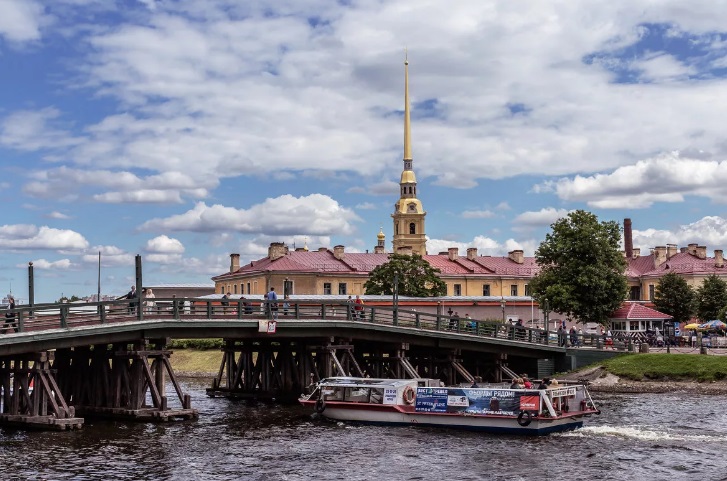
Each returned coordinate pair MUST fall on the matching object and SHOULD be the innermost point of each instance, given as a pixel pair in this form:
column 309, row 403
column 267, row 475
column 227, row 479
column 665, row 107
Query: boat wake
column 642, row 434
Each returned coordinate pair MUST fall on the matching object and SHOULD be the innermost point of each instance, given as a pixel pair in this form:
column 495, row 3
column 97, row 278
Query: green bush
column 200, row 344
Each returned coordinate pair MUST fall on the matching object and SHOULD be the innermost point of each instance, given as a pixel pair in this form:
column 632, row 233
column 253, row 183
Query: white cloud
column 485, row 246
column 366, row 206
column 477, row 214
column 315, row 214
column 111, row 256
column 58, row 215
column 710, row 231
column 62, row 264
column 164, row 245
column 21, row 20
column 666, row 178
column 544, row 217
column 23, row 236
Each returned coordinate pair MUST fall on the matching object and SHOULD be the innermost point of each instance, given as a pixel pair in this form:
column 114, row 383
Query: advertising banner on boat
column 476, row 401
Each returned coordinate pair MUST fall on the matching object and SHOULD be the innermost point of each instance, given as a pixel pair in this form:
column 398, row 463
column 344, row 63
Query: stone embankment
column 600, row 380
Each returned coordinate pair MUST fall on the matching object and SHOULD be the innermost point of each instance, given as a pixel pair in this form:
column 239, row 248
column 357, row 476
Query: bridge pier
column 118, row 381
column 262, row 370
column 30, row 396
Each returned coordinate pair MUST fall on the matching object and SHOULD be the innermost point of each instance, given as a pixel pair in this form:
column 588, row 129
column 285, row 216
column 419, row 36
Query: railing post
column 102, row 313
column 417, row 321
column 239, row 309
column 64, row 316
column 438, row 326
column 373, row 314
column 297, row 310
column 209, row 309
column 323, row 310
column 20, row 321
column 395, row 317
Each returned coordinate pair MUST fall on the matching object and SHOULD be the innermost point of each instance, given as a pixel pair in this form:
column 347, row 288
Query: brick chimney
column 516, row 255
column 452, row 253
column 692, row 249
column 338, row 252
column 637, row 252
column 323, row 249
column 671, row 250
column 277, row 250
column 701, row 252
column 405, row 250
column 471, row 253
column 659, row 255
column 379, row 250
column 628, row 239
column 718, row 258
column 234, row 262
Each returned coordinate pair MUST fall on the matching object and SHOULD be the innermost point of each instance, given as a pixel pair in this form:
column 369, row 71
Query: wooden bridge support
column 124, row 381
column 30, row 396
column 264, row 370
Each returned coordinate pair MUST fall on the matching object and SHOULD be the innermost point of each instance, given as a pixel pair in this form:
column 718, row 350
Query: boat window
column 357, row 394
column 377, row 396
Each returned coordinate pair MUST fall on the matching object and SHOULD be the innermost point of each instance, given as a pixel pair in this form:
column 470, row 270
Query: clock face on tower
column 412, row 207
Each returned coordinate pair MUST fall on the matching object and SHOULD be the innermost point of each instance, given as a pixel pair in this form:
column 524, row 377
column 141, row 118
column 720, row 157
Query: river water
column 638, row 436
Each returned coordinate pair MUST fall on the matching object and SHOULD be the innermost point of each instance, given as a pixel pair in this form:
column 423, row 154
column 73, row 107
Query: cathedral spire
column 407, row 116
column 409, row 234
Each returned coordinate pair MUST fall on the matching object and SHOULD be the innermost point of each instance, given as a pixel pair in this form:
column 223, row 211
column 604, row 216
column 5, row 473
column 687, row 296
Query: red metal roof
column 637, row 311
column 681, row 263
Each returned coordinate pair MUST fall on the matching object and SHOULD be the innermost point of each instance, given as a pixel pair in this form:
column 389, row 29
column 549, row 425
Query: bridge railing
column 73, row 315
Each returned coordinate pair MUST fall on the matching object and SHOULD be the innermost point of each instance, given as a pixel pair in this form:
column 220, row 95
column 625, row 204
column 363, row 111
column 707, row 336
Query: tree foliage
column 675, row 297
column 581, row 268
column 416, row 277
column 711, row 298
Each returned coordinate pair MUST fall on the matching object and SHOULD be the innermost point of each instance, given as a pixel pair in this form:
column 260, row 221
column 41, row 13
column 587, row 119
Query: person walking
column 132, row 295
column 149, row 302
column 359, row 307
column 272, row 298
column 10, row 317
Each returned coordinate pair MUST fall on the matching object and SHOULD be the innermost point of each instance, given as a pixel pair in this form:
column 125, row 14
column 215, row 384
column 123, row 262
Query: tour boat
column 424, row 402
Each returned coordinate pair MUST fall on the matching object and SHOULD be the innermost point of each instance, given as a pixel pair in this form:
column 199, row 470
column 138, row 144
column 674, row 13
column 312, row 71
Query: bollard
column 644, row 348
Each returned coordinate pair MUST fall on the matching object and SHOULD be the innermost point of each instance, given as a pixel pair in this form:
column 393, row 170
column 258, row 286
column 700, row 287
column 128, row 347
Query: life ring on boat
column 408, row 395
column 320, row 405
column 524, row 418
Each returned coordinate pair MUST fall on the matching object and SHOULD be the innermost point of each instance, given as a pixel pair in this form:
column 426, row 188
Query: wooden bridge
column 112, row 358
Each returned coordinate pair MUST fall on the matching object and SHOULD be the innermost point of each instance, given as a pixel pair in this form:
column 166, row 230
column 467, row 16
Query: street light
column 395, row 299
column 503, row 303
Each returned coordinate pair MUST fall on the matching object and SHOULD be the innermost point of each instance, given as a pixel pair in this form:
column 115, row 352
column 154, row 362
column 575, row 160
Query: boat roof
column 366, row 382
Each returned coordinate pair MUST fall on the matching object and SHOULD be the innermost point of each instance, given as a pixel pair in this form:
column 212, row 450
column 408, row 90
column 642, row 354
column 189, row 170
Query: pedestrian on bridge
column 132, row 295
column 10, row 316
column 272, row 298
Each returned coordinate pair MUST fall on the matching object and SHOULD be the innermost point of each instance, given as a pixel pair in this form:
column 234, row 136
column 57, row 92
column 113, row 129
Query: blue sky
column 186, row 130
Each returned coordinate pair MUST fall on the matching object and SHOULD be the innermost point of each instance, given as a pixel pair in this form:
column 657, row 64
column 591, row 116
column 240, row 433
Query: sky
column 186, row 130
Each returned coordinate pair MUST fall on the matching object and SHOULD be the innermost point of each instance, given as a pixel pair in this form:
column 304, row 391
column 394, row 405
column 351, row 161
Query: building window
column 327, row 288
column 635, row 294
column 222, row 289
column 342, row 288
column 287, row 287
column 458, row 289
column 234, row 287
column 513, row 290
column 651, row 292
column 248, row 288
column 486, row 290
column 527, row 289
column 397, row 228
column 412, row 228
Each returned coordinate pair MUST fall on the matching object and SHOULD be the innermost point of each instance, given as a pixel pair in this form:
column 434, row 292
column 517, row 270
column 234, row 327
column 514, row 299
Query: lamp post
column 503, row 303
column 395, row 299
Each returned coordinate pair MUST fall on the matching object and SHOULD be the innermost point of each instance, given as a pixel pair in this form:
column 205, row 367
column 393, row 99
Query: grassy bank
column 196, row 362
column 668, row 367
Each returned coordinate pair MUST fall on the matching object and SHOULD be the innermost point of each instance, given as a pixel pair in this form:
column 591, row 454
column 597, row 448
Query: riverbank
column 657, row 373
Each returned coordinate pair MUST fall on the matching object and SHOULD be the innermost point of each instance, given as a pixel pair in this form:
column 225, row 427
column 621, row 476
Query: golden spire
column 407, row 118
column 381, row 234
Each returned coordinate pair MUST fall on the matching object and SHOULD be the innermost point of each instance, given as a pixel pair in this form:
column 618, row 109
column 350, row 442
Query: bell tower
column 408, row 212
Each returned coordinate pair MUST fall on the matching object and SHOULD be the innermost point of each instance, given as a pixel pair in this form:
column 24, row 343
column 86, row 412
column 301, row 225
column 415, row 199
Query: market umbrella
column 716, row 324
column 693, row 325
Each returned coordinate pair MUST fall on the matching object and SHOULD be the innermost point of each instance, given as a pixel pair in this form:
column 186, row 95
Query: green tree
column 416, row 277
column 673, row 296
column 581, row 268
column 711, row 298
